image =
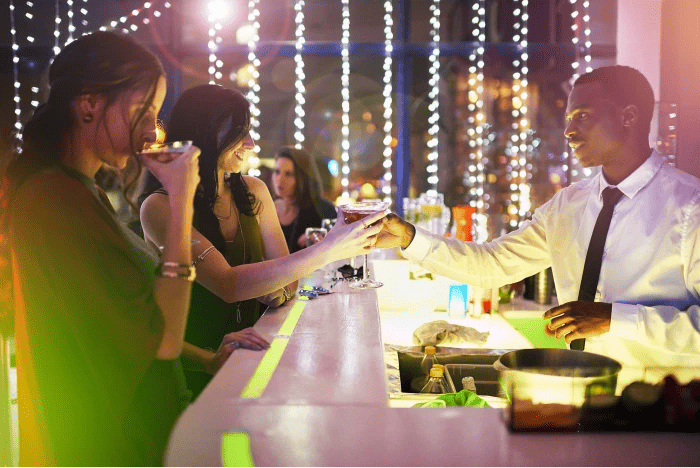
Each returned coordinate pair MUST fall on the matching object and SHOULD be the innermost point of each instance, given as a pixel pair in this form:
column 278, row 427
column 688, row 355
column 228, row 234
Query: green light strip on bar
column 291, row 321
column 235, row 449
column 263, row 374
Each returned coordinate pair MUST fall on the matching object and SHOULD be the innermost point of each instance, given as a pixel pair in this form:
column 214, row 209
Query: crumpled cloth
column 444, row 333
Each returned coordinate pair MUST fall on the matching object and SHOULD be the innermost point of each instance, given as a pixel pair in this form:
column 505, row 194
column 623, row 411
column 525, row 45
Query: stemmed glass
column 354, row 212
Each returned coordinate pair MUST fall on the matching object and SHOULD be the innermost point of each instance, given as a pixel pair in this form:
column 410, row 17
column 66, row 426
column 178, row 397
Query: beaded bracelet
column 176, row 270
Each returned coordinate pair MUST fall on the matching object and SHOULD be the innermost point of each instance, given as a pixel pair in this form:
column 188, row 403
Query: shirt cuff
column 419, row 247
column 624, row 321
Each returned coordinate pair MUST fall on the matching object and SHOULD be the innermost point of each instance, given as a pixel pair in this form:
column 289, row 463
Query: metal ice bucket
column 556, row 375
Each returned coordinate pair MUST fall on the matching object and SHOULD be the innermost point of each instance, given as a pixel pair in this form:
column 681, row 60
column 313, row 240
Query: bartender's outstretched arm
column 396, row 232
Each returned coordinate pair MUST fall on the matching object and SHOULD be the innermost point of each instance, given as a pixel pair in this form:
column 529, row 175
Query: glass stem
column 365, row 271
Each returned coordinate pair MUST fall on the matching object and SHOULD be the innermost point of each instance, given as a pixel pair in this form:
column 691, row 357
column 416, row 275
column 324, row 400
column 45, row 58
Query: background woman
column 97, row 326
column 240, row 251
column 296, row 210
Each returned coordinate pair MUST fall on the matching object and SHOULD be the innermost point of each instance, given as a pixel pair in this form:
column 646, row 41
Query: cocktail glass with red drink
column 354, row 212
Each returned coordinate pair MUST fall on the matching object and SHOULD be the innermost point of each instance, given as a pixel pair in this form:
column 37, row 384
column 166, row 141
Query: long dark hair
column 105, row 63
column 214, row 118
column 306, row 185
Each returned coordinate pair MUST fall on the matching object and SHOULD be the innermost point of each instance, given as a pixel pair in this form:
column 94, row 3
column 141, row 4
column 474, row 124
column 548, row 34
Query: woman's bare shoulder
column 156, row 202
column 255, row 185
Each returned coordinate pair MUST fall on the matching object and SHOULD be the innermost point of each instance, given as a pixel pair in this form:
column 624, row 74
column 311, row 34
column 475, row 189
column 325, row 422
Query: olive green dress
column 91, row 389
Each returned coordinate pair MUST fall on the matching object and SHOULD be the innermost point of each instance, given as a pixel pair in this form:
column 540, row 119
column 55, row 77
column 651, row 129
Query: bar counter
column 326, row 404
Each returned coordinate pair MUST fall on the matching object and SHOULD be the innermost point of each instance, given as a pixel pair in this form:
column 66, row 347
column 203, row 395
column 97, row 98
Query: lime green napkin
column 463, row 398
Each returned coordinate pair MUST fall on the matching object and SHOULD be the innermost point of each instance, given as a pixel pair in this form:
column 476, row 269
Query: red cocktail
column 355, row 215
column 354, row 212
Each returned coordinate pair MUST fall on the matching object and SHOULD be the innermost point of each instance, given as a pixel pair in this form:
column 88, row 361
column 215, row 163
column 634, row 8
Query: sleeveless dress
column 91, row 390
column 211, row 318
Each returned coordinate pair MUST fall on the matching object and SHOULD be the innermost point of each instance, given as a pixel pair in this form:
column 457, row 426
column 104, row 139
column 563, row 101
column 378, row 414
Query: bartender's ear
column 630, row 116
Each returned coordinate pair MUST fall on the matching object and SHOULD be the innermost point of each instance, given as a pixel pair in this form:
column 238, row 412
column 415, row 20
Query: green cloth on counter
column 462, row 398
column 533, row 330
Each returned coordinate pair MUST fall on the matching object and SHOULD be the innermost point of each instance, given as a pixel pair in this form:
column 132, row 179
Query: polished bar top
column 326, row 405
column 333, row 356
column 294, row 435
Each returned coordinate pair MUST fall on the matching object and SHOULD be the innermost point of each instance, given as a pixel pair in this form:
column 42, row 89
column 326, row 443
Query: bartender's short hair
column 624, row 86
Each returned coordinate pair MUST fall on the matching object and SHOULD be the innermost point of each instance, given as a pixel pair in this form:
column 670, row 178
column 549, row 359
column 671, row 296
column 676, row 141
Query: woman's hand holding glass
column 346, row 240
column 175, row 164
column 361, row 210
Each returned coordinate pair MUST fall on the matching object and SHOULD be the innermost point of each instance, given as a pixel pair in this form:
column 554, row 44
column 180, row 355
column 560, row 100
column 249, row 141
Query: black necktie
column 594, row 256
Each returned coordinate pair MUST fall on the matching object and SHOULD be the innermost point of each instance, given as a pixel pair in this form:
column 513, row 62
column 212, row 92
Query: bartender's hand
column 396, row 232
column 247, row 338
column 578, row 319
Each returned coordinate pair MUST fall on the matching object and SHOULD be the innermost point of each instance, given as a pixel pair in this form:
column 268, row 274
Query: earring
column 88, row 118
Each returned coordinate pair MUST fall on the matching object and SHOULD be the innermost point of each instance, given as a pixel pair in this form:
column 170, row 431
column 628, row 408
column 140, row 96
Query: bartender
column 624, row 246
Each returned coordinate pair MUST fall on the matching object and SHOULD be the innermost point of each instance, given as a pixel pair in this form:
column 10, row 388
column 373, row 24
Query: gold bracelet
column 287, row 294
column 176, row 270
column 175, row 265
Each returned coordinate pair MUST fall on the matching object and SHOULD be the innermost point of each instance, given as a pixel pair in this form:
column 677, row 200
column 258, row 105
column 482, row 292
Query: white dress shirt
column 650, row 270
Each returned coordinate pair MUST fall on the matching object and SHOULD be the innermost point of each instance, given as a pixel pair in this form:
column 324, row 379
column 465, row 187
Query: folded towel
column 440, row 332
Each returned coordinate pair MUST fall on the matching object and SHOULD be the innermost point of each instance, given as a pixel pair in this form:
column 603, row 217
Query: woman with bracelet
column 240, row 252
column 98, row 325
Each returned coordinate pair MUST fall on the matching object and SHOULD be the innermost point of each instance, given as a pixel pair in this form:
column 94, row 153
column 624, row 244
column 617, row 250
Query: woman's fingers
column 248, row 338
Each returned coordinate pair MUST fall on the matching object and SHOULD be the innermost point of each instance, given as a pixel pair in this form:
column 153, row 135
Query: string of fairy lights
column 254, row 85
column 299, row 72
column 215, row 39
column 388, row 101
column 671, row 128
column 70, row 14
column 127, row 23
column 476, row 176
column 434, row 97
column 518, row 144
column 345, row 95
column 34, row 96
column 16, row 85
column 84, row 20
column 57, row 29
column 581, row 26
column 520, row 188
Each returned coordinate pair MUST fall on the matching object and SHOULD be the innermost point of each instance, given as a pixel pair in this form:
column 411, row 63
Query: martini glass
column 354, row 212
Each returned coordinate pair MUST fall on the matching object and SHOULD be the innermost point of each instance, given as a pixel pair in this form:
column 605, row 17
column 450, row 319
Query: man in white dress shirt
column 646, row 309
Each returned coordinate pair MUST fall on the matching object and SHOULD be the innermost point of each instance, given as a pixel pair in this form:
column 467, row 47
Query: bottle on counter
column 429, row 359
column 435, row 384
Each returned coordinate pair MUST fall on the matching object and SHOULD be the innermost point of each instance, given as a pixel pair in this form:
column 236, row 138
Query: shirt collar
column 635, row 181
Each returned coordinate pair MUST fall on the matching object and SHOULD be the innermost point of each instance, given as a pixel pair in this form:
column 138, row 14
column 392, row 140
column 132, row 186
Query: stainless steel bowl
column 556, row 375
